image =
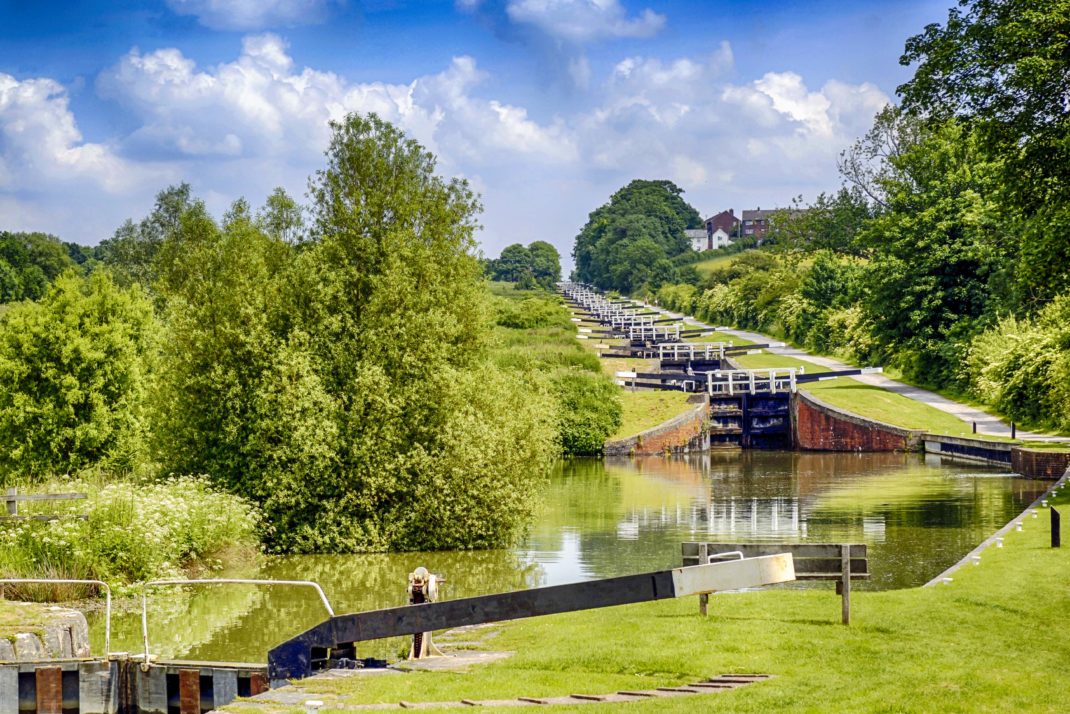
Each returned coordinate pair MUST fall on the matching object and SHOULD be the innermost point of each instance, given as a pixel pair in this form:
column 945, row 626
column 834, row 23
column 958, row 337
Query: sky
column 546, row 106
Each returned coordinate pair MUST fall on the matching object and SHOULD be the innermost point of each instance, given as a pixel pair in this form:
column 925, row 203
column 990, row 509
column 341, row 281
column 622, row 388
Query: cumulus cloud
column 584, row 20
column 41, row 143
column 247, row 15
column 261, row 105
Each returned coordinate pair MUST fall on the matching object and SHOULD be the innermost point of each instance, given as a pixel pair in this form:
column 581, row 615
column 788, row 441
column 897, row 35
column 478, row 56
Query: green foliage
column 936, row 254
column 1023, row 366
column 539, row 264
column 131, row 251
column 628, row 243
column 589, row 410
column 342, row 382
column 75, row 370
column 134, row 531
column 29, row 262
column 537, row 341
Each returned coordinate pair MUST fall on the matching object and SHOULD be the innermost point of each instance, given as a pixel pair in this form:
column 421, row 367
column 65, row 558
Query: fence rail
column 12, row 498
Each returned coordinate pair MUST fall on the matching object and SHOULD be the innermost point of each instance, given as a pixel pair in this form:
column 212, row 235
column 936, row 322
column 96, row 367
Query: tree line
column 333, row 364
column 945, row 253
column 536, row 265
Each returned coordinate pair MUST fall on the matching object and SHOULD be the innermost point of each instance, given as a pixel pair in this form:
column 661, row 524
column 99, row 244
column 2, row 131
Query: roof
column 727, row 214
column 759, row 214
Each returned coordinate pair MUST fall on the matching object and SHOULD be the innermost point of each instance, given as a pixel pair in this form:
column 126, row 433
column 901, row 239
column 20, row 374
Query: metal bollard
column 423, row 588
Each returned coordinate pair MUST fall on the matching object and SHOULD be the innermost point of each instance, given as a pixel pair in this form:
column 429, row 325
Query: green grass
column 706, row 267
column 891, row 408
column 766, row 360
column 990, row 641
column 645, row 410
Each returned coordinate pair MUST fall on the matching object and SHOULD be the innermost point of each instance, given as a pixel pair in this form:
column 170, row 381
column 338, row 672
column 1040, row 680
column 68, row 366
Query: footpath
column 986, row 423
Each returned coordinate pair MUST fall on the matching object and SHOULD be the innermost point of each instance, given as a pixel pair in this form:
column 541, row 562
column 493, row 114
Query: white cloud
column 247, row 15
column 41, row 145
column 582, row 21
column 260, row 105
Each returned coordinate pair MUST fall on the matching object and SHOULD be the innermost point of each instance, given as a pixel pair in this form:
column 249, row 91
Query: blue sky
column 546, row 106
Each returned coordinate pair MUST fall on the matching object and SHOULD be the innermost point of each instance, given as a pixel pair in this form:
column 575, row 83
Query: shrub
column 135, row 531
column 589, row 410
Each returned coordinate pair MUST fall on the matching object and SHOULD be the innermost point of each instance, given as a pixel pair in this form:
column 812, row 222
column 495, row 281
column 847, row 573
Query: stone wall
column 685, row 433
column 1039, row 464
column 817, row 426
column 64, row 634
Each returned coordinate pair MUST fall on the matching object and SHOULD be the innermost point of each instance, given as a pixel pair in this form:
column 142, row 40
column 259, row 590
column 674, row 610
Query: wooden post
column 845, row 564
column 12, row 504
column 703, row 558
column 189, row 691
column 1056, row 529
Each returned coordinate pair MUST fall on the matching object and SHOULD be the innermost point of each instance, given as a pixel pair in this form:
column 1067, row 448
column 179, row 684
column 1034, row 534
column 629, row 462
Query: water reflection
column 602, row 519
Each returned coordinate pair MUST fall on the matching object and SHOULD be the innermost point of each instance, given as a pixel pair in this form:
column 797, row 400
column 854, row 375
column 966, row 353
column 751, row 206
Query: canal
column 606, row 518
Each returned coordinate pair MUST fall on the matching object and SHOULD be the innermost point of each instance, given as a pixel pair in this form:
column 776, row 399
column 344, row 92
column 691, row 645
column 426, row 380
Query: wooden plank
column 9, row 689
column 151, row 691
column 258, row 683
column 43, row 496
column 224, row 687
column 829, row 565
column 189, row 691
column 798, row 550
column 49, row 682
column 98, row 688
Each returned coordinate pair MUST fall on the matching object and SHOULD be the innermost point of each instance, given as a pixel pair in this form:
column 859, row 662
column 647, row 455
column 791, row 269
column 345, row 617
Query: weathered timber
column 312, row 649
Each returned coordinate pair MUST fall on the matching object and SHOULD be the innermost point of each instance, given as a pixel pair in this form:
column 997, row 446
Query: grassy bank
column 645, row 410
column 869, row 401
column 987, row 642
column 131, row 531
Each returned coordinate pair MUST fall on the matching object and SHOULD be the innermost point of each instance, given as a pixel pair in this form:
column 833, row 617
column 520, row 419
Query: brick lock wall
column 678, row 435
column 819, row 427
column 1040, row 464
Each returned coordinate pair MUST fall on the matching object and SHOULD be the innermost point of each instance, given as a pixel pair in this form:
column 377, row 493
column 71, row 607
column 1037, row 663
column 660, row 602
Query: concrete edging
column 1000, row 533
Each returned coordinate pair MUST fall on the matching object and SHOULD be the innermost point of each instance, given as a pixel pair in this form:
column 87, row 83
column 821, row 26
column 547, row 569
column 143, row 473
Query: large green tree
column 627, row 243
column 1003, row 67
column 29, row 262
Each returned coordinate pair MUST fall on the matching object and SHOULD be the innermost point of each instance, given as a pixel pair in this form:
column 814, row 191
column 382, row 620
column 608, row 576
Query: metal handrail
column 107, row 599
column 216, row 581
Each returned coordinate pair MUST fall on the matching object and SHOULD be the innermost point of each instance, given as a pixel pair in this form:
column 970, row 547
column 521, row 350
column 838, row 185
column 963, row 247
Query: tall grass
column 133, row 531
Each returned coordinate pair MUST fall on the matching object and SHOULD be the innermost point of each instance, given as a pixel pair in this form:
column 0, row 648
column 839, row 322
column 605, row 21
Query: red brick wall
column 681, row 434
column 1040, row 464
column 819, row 427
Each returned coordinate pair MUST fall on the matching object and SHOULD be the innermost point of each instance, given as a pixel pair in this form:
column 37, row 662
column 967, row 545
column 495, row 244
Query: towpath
column 986, row 423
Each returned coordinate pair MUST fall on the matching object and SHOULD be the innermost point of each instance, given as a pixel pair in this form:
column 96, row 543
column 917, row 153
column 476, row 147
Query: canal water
column 605, row 518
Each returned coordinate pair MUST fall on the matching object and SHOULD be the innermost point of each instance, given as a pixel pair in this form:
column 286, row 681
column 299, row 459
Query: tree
column 131, row 251
column 281, row 217
column 1002, row 66
column 29, row 262
column 75, row 371
column 644, row 221
column 545, row 263
column 513, row 263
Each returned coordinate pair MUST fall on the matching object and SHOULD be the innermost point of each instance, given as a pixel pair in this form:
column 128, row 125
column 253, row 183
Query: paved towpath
column 986, row 423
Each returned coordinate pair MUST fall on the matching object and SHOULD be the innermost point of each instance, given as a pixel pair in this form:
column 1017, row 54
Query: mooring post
column 974, row 427
column 1014, row 430
column 1056, row 529
column 845, row 565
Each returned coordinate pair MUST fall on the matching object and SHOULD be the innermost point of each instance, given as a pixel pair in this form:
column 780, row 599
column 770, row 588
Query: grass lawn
column 987, row 642
column 766, row 360
column 891, row 408
column 644, row 410
column 722, row 261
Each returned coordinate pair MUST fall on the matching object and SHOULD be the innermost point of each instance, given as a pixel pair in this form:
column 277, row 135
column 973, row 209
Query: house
column 702, row 239
column 725, row 221
column 756, row 223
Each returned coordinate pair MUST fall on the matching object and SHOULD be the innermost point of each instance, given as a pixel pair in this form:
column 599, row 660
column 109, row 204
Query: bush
column 74, row 373
column 589, row 410
column 134, row 532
